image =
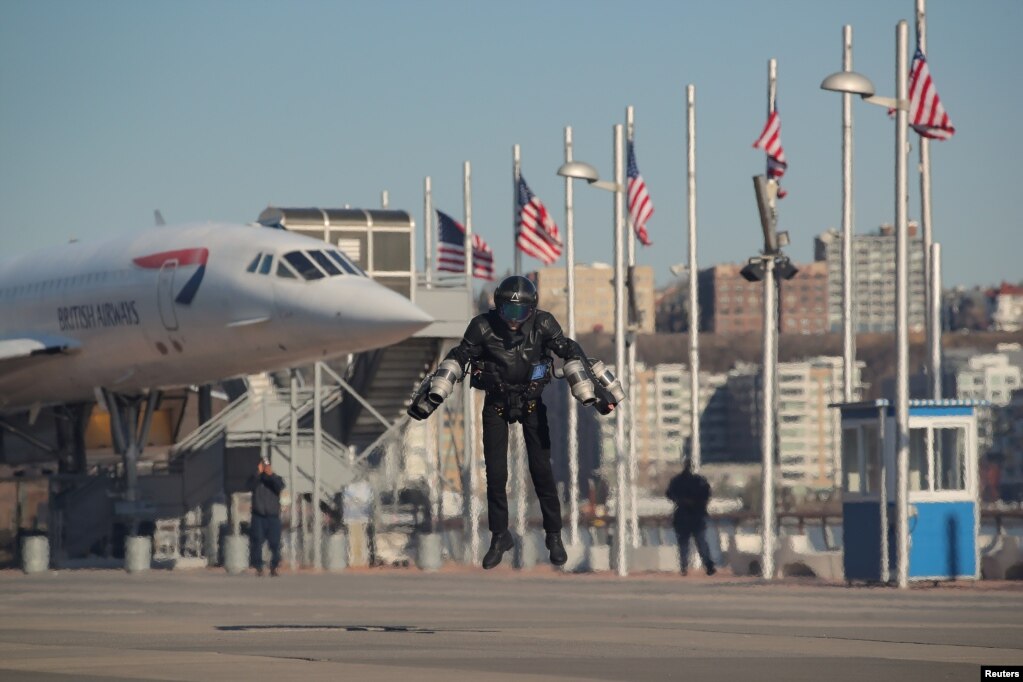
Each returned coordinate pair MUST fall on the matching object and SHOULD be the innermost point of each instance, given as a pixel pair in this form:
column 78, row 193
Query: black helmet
column 515, row 299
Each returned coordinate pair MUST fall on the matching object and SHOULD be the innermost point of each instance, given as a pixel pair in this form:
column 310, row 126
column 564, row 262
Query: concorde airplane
column 177, row 306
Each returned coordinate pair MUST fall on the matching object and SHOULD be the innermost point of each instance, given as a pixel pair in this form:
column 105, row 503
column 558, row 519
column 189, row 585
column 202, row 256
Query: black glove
column 603, row 407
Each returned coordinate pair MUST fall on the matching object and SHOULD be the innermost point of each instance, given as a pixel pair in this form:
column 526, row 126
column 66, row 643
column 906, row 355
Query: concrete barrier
column 1003, row 558
column 335, row 552
column 797, row 557
column 428, row 551
column 138, row 553
column 35, row 553
column 744, row 553
column 236, row 553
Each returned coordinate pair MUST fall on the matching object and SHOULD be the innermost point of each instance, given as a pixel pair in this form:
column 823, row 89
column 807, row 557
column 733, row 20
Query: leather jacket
column 508, row 356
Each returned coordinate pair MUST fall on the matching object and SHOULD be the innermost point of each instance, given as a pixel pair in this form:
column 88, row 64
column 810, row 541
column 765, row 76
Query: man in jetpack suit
column 507, row 353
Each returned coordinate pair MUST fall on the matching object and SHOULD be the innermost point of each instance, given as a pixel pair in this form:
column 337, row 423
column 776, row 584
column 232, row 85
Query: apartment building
column 594, row 299
column 808, row 432
column 873, row 278
column 731, row 305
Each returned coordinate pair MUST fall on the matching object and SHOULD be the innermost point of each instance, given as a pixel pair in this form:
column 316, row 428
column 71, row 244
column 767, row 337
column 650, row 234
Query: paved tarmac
column 462, row 623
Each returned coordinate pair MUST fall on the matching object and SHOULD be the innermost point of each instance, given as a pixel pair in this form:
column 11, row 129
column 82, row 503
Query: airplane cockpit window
column 349, row 266
column 254, row 264
column 264, row 267
column 325, row 263
column 284, row 270
column 303, row 265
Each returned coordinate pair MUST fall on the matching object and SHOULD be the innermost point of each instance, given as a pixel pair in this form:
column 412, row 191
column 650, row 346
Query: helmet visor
column 515, row 312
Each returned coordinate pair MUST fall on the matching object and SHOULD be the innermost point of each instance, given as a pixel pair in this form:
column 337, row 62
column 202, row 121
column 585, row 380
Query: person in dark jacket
column 266, row 487
column 508, row 350
column 690, row 492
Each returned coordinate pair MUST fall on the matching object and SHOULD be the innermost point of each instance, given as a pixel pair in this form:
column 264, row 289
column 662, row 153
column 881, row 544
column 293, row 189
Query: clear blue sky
column 212, row 110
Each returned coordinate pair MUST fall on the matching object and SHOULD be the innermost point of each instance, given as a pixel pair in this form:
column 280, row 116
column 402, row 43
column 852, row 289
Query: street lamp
column 850, row 82
column 584, row 171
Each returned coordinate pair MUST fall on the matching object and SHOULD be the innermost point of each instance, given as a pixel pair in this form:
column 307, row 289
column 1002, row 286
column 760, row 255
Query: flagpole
column 770, row 363
column 573, row 411
column 695, row 455
column 630, row 345
column 428, row 231
column 516, row 174
column 933, row 324
column 469, row 426
column 517, row 465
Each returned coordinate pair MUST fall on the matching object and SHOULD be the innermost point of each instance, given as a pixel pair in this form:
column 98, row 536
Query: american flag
column 926, row 114
column 451, row 249
column 770, row 142
column 640, row 206
column 538, row 234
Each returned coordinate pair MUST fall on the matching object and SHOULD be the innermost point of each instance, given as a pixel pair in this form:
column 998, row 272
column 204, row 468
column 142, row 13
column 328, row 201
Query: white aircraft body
column 177, row 306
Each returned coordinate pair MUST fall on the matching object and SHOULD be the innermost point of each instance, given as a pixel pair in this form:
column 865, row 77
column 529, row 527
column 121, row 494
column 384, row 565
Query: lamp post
column 584, row 171
column 573, row 408
column 856, row 84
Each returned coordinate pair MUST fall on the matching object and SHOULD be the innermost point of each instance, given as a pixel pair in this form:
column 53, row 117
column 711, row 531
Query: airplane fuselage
column 175, row 306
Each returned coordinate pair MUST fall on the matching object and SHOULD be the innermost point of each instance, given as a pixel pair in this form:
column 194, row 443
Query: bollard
column 236, row 554
column 213, row 532
column 335, row 552
column 138, row 553
column 35, row 553
column 358, row 544
column 428, row 554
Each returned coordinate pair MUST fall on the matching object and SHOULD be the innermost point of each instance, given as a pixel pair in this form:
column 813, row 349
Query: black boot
column 499, row 544
column 558, row 554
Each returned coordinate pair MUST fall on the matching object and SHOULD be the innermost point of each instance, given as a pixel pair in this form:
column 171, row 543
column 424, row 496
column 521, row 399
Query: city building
column 1005, row 475
column 731, row 305
column 595, row 300
column 873, row 279
column 1007, row 308
column 985, row 376
column 664, row 419
column 808, row 430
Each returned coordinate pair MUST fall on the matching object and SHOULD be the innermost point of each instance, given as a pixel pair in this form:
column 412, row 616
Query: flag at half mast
column 770, row 142
column 538, row 234
column 451, row 249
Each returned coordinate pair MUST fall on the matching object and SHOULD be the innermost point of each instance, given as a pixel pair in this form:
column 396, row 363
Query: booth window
column 872, row 452
column 919, row 477
column 851, row 460
column 949, row 459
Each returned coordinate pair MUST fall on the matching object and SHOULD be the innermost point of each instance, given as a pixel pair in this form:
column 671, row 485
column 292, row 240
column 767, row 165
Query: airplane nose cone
column 383, row 317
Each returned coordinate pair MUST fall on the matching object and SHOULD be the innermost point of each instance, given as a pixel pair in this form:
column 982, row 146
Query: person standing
column 690, row 492
column 266, row 487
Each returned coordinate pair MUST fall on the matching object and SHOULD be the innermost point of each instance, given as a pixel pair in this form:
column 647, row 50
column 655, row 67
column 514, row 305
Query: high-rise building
column 594, row 296
column 807, row 432
column 1007, row 304
column 873, row 270
column 731, row 305
column 664, row 419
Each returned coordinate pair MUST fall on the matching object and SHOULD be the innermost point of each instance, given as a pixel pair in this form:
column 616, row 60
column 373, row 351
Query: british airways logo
column 182, row 257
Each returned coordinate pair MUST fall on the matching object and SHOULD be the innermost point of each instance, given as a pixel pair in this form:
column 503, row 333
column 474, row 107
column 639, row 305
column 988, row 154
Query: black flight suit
column 513, row 367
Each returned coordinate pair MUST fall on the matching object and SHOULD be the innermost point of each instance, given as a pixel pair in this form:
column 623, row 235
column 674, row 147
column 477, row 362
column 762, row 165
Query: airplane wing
column 17, row 349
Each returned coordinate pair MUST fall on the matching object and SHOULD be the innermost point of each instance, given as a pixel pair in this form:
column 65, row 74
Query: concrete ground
column 462, row 623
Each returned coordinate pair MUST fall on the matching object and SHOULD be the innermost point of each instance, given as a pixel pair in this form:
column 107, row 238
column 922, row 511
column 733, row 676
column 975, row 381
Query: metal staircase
column 385, row 379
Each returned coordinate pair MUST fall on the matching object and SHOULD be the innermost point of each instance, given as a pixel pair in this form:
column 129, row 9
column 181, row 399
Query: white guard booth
column 944, row 515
